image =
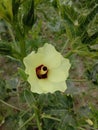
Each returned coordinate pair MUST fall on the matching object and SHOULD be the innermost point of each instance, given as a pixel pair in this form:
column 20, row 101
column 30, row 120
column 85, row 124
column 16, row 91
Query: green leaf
column 84, row 51
column 70, row 17
column 69, row 127
column 5, row 49
column 69, row 14
column 93, row 73
column 22, row 74
column 70, row 31
column 3, row 92
column 29, row 97
column 21, row 123
column 15, row 7
column 90, row 17
column 94, row 116
column 58, row 106
column 28, row 18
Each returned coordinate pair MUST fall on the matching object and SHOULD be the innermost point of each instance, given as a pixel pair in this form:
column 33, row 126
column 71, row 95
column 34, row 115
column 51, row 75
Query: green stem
column 11, row 32
column 36, row 115
column 25, row 112
column 22, row 48
column 20, row 36
column 37, row 118
column 64, row 46
column 21, row 40
column 81, row 128
column 50, row 117
column 69, row 54
column 32, row 103
column 9, row 105
column 26, row 122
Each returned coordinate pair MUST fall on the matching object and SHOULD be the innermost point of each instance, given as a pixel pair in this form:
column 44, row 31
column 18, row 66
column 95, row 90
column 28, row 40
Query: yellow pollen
column 43, row 70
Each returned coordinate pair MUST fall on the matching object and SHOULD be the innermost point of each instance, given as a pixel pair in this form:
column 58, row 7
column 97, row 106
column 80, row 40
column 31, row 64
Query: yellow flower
column 47, row 70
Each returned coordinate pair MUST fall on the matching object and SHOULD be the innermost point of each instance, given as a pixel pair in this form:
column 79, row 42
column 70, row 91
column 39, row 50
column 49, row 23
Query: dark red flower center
column 41, row 72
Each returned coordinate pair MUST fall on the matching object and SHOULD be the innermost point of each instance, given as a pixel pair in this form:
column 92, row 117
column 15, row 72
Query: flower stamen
column 41, row 72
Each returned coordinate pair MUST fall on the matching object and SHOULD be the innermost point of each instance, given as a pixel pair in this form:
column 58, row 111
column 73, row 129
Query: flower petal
column 35, row 87
column 32, row 61
column 65, row 66
column 61, row 73
column 33, row 80
column 52, row 58
column 51, row 87
column 61, row 86
column 56, row 75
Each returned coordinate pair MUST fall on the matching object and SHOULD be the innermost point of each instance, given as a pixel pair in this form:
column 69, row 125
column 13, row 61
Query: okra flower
column 47, row 70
